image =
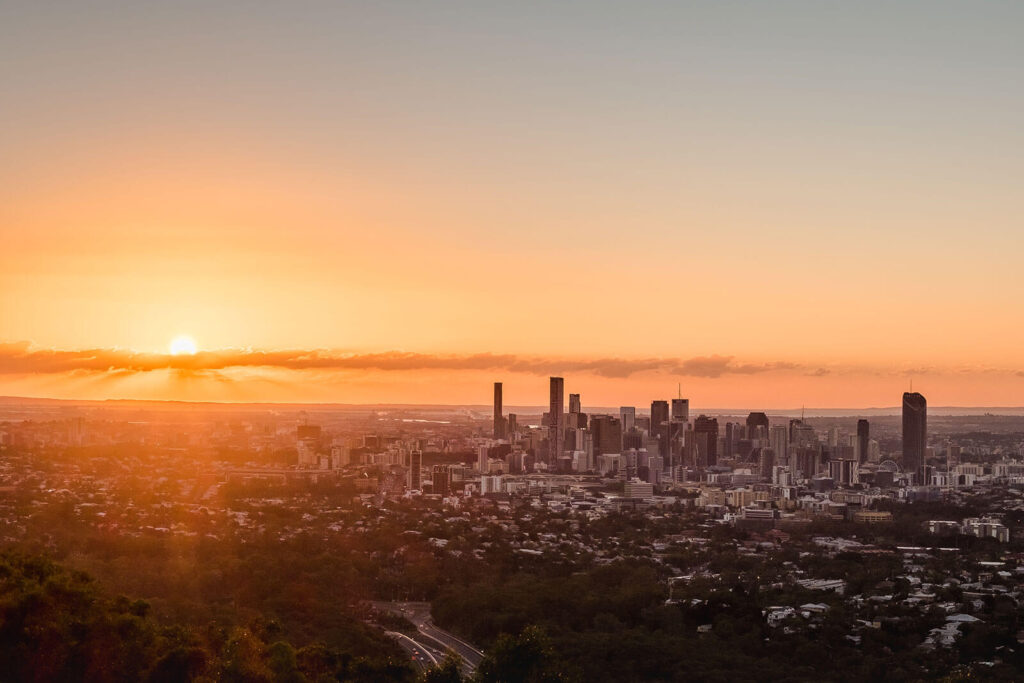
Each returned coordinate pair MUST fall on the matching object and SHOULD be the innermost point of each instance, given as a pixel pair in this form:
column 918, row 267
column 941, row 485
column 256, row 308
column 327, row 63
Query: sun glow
column 183, row 346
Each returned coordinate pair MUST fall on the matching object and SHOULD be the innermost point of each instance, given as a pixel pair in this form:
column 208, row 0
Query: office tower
column 511, row 426
column 659, row 415
column 802, row 435
column 863, row 439
column 482, row 463
column 654, row 469
column 843, row 471
column 441, row 476
column 499, row 421
column 633, row 438
column 607, row 433
column 556, row 420
column 833, row 437
column 705, row 442
column 576, row 419
column 766, row 460
column 660, row 429
column 731, row 437
column 780, row 444
column 757, row 426
column 681, row 409
column 627, row 416
column 415, row 470
column 915, row 431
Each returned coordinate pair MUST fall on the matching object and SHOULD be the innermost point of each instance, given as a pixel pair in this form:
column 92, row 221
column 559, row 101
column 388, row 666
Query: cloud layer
column 20, row 358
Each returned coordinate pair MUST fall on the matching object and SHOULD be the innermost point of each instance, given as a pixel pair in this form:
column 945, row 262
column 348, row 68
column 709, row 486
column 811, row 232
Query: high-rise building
column 731, row 437
column 757, row 426
column 499, row 421
column 780, row 444
column 441, row 476
column 627, row 416
column 802, row 435
column 482, row 460
column 607, row 431
column 705, row 442
column 511, row 426
column 660, row 428
column 863, row 439
column 556, row 417
column 659, row 415
column 415, row 470
column 681, row 409
column 915, row 431
column 574, row 403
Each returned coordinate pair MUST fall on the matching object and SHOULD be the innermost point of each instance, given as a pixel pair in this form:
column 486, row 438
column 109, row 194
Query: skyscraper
column 574, row 403
column 659, row 415
column 607, row 431
column 556, row 415
column 757, row 426
column 863, row 439
column 627, row 415
column 780, row 444
column 415, row 470
column 705, row 442
column 681, row 409
column 483, row 460
column 660, row 428
column 499, row 421
column 915, row 431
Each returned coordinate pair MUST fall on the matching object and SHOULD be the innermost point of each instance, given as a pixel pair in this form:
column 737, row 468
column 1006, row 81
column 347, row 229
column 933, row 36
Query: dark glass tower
column 915, row 431
column 499, row 421
column 556, row 413
column 705, row 437
column 757, row 426
column 863, row 438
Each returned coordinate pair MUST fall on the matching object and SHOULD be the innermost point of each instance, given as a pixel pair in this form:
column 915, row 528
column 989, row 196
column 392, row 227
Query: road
column 421, row 655
column 430, row 637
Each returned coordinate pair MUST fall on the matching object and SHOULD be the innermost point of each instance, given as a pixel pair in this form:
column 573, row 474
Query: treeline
column 612, row 623
column 57, row 625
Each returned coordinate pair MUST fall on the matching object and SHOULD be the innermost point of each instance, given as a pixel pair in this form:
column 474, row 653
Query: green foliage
column 57, row 625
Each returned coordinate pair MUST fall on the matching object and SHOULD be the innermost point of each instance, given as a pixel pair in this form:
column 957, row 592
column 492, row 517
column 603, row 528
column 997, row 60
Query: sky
column 768, row 203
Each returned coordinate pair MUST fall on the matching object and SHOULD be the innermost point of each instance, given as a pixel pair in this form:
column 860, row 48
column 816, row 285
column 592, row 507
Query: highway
column 423, row 656
column 430, row 638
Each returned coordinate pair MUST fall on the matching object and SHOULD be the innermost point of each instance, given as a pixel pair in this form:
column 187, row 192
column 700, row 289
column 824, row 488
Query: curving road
column 430, row 638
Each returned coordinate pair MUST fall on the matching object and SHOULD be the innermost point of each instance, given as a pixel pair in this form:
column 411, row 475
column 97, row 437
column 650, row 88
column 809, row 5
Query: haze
column 772, row 204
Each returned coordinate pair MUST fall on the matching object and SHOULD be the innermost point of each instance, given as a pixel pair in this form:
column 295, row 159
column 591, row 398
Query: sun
column 183, row 345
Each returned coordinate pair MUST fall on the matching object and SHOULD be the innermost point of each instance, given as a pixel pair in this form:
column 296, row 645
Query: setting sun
column 183, row 346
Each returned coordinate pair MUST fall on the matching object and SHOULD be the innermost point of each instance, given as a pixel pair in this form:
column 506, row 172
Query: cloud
column 22, row 359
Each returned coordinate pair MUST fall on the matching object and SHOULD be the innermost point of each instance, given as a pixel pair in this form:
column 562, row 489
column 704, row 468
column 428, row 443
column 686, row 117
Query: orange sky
column 828, row 202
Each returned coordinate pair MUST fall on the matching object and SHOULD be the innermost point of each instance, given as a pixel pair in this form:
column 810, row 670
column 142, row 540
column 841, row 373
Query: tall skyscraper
column 483, row 460
column 757, row 426
column 556, row 415
column 660, row 428
column 659, row 415
column 574, row 403
column 627, row 415
column 915, row 431
column 704, row 451
column 681, row 409
column 415, row 470
column 780, row 444
column 499, row 421
column 607, row 431
column 863, row 439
